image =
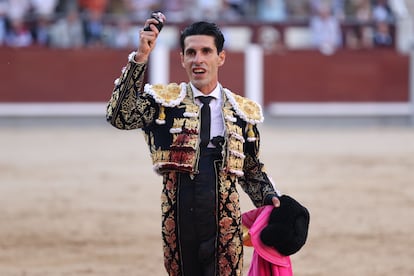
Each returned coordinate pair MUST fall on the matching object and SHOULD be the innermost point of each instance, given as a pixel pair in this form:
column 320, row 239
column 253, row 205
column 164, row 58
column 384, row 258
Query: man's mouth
column 198, row 71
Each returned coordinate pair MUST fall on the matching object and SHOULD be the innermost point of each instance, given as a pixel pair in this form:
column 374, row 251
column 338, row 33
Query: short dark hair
column 203, row 28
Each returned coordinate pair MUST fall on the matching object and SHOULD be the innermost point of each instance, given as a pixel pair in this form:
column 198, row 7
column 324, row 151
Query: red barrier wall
column 380, row 75
column 47, row 75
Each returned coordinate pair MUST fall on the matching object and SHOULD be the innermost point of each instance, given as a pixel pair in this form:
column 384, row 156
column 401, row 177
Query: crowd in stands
column 115, row 23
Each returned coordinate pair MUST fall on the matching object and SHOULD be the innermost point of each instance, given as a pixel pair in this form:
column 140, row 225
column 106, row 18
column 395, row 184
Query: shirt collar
column 216, row 93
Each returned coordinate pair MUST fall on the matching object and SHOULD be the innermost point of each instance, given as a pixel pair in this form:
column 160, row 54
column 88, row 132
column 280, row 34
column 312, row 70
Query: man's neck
column 215, row 92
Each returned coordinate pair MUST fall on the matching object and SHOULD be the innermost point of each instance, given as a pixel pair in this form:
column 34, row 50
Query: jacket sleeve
column 255, row 181
column 128, row 107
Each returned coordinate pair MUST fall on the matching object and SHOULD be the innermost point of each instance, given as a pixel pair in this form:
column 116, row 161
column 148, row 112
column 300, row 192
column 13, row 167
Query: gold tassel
column 250, row 133
column 161, row 116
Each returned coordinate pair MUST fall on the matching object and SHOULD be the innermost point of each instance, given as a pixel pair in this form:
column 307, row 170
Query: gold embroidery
column 178, row 123
column 167, row 95
column 185, row 141
column 191, row 109
column 192, row 125
column 234, row 129
column 235, row 145
column 160, row 156
column 235, row 162
column 247, row 109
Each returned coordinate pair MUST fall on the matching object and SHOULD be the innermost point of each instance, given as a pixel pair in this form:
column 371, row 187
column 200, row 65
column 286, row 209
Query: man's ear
column 222, row 57
column 182, row 59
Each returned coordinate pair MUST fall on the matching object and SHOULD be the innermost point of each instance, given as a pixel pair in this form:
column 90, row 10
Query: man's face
column 201, row 61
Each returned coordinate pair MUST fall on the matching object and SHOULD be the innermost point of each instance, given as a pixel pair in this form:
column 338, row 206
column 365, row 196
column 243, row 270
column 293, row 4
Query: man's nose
column 198, row 58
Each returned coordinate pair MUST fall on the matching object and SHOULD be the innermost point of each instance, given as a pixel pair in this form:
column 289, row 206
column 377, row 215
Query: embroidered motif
column 169, row 225
column 235, row 145
column 185, row 141
column 191, row 111
column 160, row 156
column 169, row 95
column 178, row 123
column 230, row 248
column 190, row 125
column 247, row 109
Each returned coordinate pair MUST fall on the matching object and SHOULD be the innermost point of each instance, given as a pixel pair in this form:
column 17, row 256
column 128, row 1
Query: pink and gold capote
column 266, row 260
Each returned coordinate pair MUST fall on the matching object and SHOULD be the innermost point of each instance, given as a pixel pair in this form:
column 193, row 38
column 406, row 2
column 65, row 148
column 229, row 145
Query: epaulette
column 247, row 109
column 168, row 95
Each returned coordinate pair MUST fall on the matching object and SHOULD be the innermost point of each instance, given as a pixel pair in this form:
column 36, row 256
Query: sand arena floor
column 83, row 200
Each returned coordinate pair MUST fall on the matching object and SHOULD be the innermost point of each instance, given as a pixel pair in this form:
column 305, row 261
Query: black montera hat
column 287, row 229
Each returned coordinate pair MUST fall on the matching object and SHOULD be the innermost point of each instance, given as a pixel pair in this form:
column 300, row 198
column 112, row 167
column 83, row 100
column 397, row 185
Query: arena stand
column 290, row 78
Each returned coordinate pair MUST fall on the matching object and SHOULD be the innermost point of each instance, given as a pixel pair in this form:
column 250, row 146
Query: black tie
column 205, row 120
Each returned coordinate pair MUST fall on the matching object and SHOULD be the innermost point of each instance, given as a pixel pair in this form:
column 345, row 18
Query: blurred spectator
column 141, row 9
column 18, row 9
column 358, row 12
column 64, row 6
column 91, row 6
column 382, row 34
column 93, row 11
column 325, row 30
column 206, row 10
column 381, row 11
column 94, row 28
column 229, row 13
column 117, row 8
column 100, row 19
column 383, row 17
column 41, row 30
column 44, row 8
column 337, row 7
column 237, row 6
column 176, row 10
column 271, row 10
column 298, row 9
column 68, row 31
column 3, row 9
column 315, row 5
column 123, row 34
column 18, row 35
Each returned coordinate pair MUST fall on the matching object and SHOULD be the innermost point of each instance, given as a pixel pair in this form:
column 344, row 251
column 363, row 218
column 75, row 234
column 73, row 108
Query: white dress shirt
column 217, row 123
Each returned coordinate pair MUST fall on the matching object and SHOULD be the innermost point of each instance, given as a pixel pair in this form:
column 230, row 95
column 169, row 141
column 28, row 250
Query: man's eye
column 190, row 53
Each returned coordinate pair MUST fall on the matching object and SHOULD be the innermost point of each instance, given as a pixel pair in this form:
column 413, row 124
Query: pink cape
column 266, row 261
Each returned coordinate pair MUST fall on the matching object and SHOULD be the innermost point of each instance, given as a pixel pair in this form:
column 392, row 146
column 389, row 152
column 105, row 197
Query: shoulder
column 248, row 110
column 168, row 95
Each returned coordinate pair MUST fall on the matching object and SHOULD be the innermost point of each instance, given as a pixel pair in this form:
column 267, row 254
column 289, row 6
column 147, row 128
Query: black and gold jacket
column 170, row 119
